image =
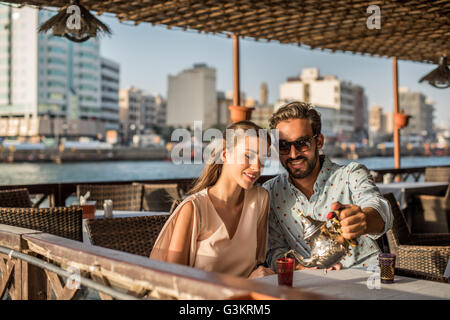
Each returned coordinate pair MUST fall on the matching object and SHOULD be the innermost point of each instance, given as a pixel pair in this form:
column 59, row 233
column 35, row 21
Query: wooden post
column 237, row 112
column 34, row 282
column 396, row 111
column 236, row 75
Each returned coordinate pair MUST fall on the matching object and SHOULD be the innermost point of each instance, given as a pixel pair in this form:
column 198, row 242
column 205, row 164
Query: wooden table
column 353, row 284
column 119, row 214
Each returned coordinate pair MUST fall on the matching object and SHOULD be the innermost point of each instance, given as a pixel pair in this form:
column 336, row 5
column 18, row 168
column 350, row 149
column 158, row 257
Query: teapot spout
column 307, row 263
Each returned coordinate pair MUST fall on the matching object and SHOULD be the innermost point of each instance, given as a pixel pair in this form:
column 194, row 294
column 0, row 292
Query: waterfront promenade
column 12, row 154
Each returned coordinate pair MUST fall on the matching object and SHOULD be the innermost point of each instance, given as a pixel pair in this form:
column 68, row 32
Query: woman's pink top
column 211, row 248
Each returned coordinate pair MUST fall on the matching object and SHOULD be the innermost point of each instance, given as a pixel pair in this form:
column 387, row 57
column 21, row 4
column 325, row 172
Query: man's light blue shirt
column 350, row 184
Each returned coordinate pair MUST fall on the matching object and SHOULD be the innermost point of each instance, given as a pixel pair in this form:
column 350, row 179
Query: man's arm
column 370, row 209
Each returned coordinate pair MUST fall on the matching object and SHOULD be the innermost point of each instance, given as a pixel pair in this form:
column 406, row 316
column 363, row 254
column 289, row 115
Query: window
column 57, row 84
column 88, row 55
column 56, row 50
column 56, row 96
column 56, row 61
column 87, row 87
column 56, row 73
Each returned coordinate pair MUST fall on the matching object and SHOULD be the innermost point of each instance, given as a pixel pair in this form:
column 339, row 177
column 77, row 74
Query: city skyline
column 153, row 53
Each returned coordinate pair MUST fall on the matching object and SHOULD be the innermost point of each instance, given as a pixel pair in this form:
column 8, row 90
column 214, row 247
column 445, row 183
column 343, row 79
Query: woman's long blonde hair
column 213, row 169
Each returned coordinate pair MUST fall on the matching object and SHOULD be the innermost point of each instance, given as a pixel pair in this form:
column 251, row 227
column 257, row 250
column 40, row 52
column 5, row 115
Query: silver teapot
column 327, row 244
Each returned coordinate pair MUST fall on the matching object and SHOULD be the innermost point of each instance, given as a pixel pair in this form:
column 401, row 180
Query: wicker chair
column 124, row 196
column 15, row 198
column 424, row 255
column 135, row 235
column 160, row 197
column 61, row 221
column 437, row 174
column 431, row 213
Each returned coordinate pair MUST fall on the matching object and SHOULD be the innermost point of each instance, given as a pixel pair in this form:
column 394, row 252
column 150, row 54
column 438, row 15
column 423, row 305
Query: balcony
column 110, row 95
column 110, row 74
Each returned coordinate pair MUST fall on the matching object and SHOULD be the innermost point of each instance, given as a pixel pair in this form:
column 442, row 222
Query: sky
column 148, row 54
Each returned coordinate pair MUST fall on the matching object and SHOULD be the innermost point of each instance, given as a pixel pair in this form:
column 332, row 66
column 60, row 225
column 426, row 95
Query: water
column 35, row 173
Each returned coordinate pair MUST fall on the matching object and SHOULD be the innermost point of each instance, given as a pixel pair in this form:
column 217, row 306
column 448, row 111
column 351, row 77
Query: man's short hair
column 297, row 110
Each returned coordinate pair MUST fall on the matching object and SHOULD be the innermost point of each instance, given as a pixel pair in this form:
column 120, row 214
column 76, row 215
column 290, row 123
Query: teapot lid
column 310, row 226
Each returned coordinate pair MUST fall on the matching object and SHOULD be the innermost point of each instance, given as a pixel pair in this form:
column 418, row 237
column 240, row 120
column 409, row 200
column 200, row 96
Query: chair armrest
column 425, row 248
column 430, row 239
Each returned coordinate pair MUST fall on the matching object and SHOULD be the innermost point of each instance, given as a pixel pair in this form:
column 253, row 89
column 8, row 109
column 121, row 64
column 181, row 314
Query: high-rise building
column 110, row 84
column 261, row 115
column 264, row 94
column 192, row 96
column 223, row 101
column 44, row 78
column 361, row 115
column 139, row 112
column 161, row 111
column 380, row 122
column 333, row 98
column 421, row 109
column 376, row 119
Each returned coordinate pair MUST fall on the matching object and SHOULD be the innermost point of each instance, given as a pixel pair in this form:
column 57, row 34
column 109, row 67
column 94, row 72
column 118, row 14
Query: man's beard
column 310, row 165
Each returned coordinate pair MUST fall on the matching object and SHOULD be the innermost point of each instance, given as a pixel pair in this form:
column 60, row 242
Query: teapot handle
column 334, row 216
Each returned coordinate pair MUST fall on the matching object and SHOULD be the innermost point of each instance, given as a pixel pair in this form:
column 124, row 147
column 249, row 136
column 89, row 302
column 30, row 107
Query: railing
column 57, row 193
column 32, row 262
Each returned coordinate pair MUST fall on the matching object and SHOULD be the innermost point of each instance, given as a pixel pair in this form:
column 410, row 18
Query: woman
column 222, row 225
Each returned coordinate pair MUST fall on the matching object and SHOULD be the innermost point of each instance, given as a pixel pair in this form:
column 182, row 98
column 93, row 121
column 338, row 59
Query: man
column 315, row 185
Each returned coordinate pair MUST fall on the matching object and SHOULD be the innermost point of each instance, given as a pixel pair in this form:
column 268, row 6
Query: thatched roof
column 417, row 30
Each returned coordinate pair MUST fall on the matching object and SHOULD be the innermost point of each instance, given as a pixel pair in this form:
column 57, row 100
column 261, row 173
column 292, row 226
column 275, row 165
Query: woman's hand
column 260, row 272
column 298, row 266
column 337, row 266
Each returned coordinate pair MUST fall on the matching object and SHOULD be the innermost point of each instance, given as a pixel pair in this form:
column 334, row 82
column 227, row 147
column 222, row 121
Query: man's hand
column 260, row 272
column 356, row 221
column 352, row 218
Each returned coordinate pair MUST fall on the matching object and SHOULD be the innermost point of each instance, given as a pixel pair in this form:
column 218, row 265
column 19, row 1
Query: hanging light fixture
column 75, row 22
column 439, row 77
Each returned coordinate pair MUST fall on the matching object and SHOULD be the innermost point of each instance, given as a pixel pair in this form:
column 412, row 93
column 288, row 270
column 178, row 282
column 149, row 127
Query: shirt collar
column 324, row 172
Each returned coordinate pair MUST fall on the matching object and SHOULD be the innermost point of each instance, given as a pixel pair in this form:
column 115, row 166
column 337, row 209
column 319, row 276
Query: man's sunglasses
column 301, row 145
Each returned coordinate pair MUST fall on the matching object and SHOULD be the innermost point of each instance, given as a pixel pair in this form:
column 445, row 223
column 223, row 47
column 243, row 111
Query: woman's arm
column 263, row 230
column 179, row 247
column 260, row 270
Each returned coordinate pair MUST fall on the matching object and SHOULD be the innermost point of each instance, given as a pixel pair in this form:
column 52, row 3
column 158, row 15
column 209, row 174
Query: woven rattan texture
column 437, row 174
column 160, row 197
column 124, row 197
column 61, row 221
column 15, row 198
column 424, row 253
column 135, row 235
column 412, row 30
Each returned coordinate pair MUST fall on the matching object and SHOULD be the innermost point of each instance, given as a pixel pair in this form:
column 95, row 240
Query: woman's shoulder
column 198, row 196
column 260, row 197
column 260, row 192
column 193, row 201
